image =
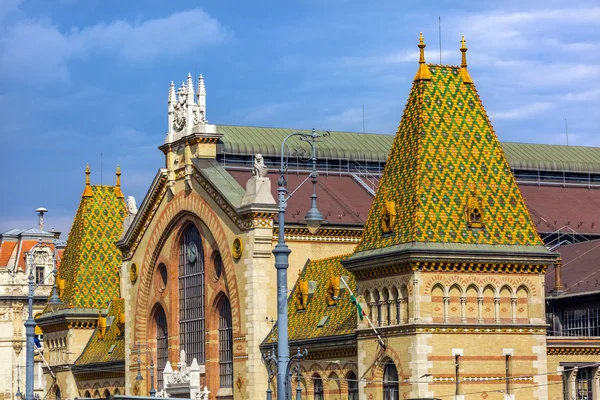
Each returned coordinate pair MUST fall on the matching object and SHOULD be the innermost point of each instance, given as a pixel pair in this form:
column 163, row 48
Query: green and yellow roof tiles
column 445, row 151
column 304, row 324
column 91, row 261
column 111, row 347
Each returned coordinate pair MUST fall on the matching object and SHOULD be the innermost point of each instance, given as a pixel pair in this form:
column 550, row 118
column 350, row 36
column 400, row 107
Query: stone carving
column 4, row 314
column 180, row 109
column 260, row 169
column 131, row 213
column 183, row 382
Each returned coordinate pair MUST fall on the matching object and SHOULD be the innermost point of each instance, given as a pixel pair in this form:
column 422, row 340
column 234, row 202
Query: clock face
column 192, row 253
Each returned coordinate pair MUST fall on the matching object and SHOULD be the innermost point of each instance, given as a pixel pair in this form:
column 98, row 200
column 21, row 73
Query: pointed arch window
column 57, row 394
column 191, row 294
column 225, row 344
column 352, row 386
column 162, row 343
column 390, row 382
column 318, row 387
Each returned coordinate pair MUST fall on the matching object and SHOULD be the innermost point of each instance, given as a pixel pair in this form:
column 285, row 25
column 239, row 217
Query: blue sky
column 84, row 77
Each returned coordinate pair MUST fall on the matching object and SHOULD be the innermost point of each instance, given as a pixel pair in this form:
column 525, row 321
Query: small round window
column 162, row 277
column 218, row 261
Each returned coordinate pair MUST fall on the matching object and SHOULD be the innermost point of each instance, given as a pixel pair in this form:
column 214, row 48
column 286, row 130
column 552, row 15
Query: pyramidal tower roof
column 89, row 269
column 446, row 179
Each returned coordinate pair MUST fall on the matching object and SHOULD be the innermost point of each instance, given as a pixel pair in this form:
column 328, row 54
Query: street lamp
column 282, row 252
column 139, row 376
column 19, row 395
column 53, row 302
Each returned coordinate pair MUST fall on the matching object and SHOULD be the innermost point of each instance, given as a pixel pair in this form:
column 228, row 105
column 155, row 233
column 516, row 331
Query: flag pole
column 379, row 339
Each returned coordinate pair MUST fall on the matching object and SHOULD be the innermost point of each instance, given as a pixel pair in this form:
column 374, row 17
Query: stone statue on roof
column 260, row 169
column 131, row 213
column 180, row 110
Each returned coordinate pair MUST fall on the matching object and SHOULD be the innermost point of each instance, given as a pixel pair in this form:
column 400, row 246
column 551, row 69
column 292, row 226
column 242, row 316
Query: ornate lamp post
column 282, row 252
column 139, row 376
column 53, row 302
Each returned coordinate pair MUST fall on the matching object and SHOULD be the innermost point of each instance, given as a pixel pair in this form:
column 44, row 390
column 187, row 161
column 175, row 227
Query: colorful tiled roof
column 111, row 348
column 6, row 252
column 90, row 266
column 444, row 152
column 341, row 317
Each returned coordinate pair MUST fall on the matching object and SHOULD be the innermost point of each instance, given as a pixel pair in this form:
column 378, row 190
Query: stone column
column 446, row 304
column 513, row 310
column 383, row 305
column 596, row 383
column 480, row 310
column 463, row 309
column 416, row 298
column 497, row 310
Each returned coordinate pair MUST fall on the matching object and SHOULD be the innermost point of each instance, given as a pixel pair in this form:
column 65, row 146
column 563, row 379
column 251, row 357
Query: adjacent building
column 17, row 258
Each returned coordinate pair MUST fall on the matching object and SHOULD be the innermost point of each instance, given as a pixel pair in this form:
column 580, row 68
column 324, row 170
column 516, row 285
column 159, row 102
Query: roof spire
column 463, row 66
column 423, row 72
column 172, row 98
column 118, row 185
column 87, row 192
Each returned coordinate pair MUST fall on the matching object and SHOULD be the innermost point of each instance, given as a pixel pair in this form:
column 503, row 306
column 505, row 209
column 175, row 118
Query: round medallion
column 133, row 273
column 237, row 248
column 192, row 252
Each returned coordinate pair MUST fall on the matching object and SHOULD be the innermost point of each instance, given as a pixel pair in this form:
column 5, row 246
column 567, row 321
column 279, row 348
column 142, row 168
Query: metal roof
column 353, row 146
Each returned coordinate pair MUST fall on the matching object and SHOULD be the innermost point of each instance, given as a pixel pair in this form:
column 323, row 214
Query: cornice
column 573, row 351
column 455, row 329
column 452, row 267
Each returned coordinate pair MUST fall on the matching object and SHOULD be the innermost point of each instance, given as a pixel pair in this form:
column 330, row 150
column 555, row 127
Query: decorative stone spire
column 423, row 72
column 87, row 192
column 118, row 185
column 200, row 117
column 190, row 89
column 171, row 93
column 463, row 66
column 201, row 88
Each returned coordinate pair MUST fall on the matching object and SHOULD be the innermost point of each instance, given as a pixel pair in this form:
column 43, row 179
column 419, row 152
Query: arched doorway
column 225, row 344
column 191, row 294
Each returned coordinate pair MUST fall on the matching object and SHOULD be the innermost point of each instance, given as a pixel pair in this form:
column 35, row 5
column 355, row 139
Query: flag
column 361, row 313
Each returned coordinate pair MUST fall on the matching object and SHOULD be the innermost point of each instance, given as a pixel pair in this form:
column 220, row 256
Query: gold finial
column 118, row 185
column 463, row 65
column 87, row 192
column 423, row 72
column 118, row 176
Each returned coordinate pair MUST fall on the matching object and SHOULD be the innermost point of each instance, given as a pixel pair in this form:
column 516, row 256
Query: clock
column 192, row 252
column 237, row 248
column 133, row 273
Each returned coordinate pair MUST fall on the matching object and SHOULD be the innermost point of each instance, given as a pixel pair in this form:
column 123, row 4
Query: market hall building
column 441, row 231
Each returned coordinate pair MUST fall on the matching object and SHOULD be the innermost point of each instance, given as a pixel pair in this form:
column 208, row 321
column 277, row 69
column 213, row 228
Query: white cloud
column 38, row 51
column 586, row 95
column 526, row 111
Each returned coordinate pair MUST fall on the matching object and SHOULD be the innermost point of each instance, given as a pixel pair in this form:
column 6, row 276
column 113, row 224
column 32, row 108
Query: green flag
column 361, row 313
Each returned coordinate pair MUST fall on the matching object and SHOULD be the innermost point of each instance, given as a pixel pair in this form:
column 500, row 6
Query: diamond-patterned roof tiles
column 111, row 347
column 341, row 316
column 91, row 260
column 445, row 151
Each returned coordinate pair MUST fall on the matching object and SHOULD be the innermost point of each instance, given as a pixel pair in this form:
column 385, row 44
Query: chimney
column 41, row 211
column 558, row 285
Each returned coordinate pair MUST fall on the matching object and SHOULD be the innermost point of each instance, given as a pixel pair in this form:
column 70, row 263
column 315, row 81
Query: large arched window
column 352, row 386
column 225, row 344
column 162, row 343
column 191, row 294
column 390, row 382
column 317, row 387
